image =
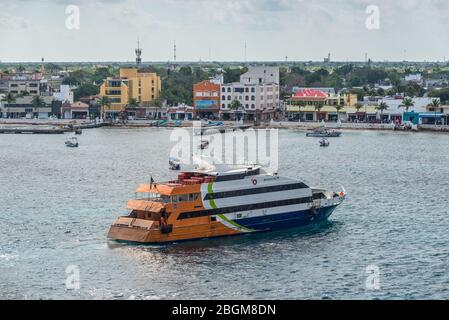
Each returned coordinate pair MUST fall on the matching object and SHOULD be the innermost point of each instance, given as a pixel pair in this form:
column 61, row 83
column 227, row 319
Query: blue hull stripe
column 286, row 220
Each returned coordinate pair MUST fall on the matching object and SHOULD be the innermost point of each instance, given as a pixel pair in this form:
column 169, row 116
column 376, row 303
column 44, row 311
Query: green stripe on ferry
column 211, row 191
column 222, row 216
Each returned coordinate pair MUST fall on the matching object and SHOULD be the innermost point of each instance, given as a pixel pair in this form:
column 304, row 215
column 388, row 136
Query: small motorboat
column 324, row 133
column 72, row 142
column 204, row 144
column 324, row 143
column 174, row 163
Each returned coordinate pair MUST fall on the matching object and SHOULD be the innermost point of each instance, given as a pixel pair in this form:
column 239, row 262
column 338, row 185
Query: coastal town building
column 144, row 87
column 206, row 99
column 64, row 94
column 316, row 105
column 23, row 107
column 181, row 112
column 396, row 110
column 257, row 95
column 77, row 110
column 26, row 86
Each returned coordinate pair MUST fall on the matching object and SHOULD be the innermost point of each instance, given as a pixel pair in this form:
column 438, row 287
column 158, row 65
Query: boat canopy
column 167, row 189
column 142, row 205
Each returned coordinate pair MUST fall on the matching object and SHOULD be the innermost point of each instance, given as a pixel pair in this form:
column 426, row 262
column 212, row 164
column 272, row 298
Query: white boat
column 174, row 163
column 324, row 143
column 72, row 142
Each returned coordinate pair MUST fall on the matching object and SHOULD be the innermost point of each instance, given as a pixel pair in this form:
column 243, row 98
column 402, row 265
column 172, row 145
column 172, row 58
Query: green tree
column 233, row 74
column 443, row 94
column 338, row 108
column 358, row 106
column 407, row 103
column 9, row 98
column 235, row 105
column 435, row 105
column 37, row 103
column 157, row 103
column 104, row 103
column 85, row 89
column 382, row 107
column 318, row 108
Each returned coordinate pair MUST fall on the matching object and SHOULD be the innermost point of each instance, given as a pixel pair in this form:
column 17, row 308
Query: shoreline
column 61, row 124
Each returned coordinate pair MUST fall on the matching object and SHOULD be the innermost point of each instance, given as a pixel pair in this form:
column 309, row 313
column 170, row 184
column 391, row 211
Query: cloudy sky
column 218, row 29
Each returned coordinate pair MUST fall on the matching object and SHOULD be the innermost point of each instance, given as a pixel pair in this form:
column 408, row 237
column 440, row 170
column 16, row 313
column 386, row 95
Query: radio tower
column 174, row 53
column 138, row 55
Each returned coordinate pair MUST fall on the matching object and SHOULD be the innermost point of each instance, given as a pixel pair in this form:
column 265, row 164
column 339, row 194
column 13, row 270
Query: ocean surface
column 57, row 204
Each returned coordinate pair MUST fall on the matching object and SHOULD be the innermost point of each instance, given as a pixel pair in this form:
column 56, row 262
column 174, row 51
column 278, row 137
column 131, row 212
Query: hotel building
column 257, row 92
column 145, row 87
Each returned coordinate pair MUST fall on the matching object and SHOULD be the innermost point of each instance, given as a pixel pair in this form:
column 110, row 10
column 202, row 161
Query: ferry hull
column 217, row 229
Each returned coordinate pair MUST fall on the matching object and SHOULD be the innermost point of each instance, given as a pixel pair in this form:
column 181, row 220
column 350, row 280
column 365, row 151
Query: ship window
column 193, row 196
column 183, row 198
column 246, row 207
column 239, row 193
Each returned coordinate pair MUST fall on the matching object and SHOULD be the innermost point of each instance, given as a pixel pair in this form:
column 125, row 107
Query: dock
column 28, row 130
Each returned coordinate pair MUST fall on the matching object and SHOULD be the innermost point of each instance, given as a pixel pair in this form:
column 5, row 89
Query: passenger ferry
column 209, row 203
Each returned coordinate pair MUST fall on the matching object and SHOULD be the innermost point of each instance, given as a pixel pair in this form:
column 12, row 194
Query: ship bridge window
column 186, row 197
column 155, row 197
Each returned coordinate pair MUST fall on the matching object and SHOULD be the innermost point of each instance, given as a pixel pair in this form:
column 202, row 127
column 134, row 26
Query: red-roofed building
column 310, row 95
column 316, row 105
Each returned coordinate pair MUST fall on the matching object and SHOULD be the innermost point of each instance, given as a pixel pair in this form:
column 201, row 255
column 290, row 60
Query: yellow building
column 131, row 84
column 316, row 105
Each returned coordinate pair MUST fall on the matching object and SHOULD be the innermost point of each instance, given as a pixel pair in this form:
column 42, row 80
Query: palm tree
column 301, row 104
column 357, row 107
column 407, row 103
column 318, row 108
column 382, row 107
column 9, row 98
column 37, row 102
column 104, row 102
column 158, row 104
column 338, row 108
column 435, row 105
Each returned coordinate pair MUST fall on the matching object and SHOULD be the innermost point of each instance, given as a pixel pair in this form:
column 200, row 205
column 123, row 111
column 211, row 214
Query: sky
column 301, row 30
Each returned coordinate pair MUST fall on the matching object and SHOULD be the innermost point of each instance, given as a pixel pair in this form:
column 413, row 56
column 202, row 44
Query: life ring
column 254, row 181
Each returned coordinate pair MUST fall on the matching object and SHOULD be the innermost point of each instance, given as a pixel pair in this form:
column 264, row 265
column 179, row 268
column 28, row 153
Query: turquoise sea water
column 57, row 204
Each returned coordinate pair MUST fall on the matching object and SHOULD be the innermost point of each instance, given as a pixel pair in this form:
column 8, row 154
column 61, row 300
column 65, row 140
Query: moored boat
column 209, row 203
column 324, row 142
column 324, row 133
column 72, row 142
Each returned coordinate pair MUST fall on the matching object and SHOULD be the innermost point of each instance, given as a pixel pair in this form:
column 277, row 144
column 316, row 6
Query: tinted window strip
column 246, row 192
column 247, row 207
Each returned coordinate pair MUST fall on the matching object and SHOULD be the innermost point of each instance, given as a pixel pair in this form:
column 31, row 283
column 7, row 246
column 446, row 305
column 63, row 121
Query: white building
column 414, row 78
column 65, row 94
column 257, row 92
column 260, row 75
column 395, row 111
